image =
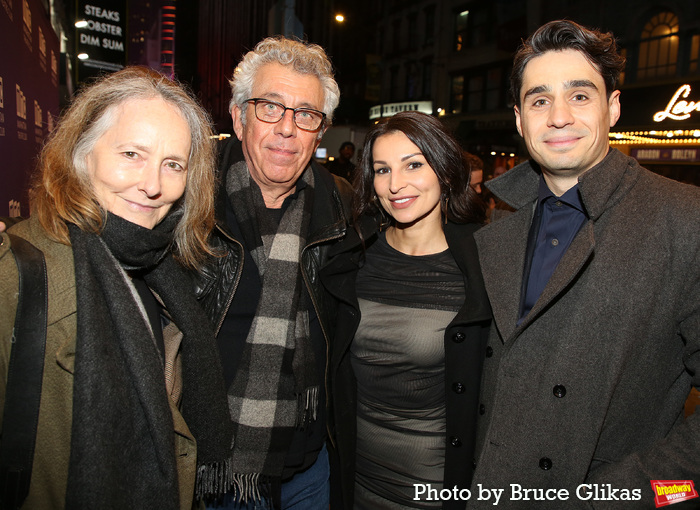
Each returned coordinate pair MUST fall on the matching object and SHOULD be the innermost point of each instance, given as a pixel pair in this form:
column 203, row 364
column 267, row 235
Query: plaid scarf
column 275, row 389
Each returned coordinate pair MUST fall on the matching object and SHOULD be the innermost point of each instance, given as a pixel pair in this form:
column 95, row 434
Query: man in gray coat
column 594, row 282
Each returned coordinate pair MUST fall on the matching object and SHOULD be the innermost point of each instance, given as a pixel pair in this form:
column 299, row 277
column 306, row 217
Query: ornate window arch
column 658, row 47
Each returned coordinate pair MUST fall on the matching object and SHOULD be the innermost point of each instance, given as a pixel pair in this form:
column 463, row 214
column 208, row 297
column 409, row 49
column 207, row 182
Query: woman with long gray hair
column 132, row 404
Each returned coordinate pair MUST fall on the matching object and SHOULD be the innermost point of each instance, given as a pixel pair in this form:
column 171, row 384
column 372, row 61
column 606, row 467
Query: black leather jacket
column 219, row 278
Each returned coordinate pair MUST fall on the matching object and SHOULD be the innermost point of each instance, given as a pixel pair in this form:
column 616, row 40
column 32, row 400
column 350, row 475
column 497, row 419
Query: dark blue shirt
column 556, row 222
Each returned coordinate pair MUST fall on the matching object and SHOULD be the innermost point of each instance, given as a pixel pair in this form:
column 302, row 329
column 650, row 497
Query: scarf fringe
column 307, row 407
column 216, row 480
column 213, row 479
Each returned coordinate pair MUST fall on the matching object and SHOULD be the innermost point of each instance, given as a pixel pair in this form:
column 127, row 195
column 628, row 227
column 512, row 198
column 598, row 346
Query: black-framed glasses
column 271, row 112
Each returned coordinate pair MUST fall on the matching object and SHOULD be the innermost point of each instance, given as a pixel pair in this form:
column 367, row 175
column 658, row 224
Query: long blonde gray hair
column 62, row 190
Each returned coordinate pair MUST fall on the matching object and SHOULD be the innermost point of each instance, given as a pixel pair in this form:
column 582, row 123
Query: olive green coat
column 50, row 470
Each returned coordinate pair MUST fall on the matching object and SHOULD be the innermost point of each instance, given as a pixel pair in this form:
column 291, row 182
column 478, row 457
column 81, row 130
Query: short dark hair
column 442, row 152
column 599, row 48
column 346, row 144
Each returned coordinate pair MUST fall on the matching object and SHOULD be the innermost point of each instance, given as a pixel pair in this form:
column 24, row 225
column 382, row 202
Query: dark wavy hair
column 443, row 154
column 599, row 48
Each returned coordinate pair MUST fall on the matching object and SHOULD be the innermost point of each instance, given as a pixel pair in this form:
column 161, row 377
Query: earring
column 443, row 207
column 385, row 219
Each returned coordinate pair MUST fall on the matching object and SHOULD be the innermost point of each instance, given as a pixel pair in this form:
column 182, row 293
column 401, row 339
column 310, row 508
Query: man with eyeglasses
column 278, row 213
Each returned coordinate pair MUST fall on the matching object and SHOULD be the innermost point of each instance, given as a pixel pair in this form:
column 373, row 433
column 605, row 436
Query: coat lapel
column 569, row 267
column 502, row 248
column 502, row 245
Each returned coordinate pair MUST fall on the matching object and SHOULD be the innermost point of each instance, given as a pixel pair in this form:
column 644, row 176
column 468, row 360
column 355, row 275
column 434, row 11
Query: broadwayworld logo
column 667, row 492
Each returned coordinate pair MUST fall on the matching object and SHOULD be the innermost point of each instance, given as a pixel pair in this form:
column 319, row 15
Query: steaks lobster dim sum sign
column 101, row 37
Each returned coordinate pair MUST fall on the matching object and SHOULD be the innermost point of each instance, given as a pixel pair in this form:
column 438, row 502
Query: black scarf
column 122, row 439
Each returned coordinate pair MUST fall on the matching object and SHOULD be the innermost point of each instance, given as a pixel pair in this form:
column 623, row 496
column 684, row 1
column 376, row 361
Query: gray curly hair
column 303, row 57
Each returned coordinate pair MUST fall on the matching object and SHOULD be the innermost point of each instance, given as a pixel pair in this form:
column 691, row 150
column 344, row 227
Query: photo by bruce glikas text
column 516, row 492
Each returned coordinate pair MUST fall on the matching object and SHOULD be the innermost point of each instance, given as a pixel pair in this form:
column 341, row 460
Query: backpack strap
column 24, row 376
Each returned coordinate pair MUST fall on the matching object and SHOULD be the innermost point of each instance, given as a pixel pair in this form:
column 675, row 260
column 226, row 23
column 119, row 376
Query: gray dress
column 398, row 358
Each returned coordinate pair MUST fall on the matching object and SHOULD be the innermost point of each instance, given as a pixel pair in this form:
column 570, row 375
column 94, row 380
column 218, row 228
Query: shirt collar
column 298, row 186
column 572, row 197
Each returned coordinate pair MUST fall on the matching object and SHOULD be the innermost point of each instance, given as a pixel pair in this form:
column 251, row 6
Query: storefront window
column 476, row 93
column 457, row 94
column 694, row 51
column 478, row 90
column 658, row 47
column 493, row 89
column 461, row 30
column 481, row 27
column 474, row 27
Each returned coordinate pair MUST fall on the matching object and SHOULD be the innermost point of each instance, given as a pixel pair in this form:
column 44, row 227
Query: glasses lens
column 308, row 119
column 268, row 111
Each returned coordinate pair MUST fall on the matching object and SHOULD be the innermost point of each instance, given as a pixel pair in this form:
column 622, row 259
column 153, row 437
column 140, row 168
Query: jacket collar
column 502, row 244
column 600, row 187
column 607, row 182
column 328, row 219
column 368, row 226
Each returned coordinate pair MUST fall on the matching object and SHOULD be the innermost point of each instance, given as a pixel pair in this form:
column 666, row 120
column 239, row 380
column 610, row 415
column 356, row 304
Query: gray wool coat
column 590, row 388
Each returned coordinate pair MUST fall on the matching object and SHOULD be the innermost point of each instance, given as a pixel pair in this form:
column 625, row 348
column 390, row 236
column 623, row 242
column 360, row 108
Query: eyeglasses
column 272, row 112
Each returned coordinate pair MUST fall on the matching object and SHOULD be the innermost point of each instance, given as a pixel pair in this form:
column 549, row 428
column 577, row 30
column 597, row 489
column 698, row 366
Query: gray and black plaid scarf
column 275, row 389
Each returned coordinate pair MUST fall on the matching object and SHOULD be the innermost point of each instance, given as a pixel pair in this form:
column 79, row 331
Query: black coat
column 465, row 348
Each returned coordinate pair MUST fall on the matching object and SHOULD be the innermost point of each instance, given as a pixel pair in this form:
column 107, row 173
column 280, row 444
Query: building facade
column 457, row 54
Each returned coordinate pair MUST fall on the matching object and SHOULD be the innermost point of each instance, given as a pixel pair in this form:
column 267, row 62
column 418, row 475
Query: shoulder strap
column 24, row 378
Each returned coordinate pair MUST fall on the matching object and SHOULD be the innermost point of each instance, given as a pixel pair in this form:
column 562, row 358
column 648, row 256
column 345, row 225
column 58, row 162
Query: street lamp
column 336, row 41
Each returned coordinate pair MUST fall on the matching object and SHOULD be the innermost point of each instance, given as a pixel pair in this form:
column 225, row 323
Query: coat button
column 455, row 441
column 458, row 387
column 545, row 463
column 489, row 351
column 459, row 337
column 559, row 391
column 482, row 409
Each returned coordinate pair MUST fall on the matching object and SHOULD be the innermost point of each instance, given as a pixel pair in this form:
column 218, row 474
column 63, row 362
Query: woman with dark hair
column 133, row 411
column 412, row 322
